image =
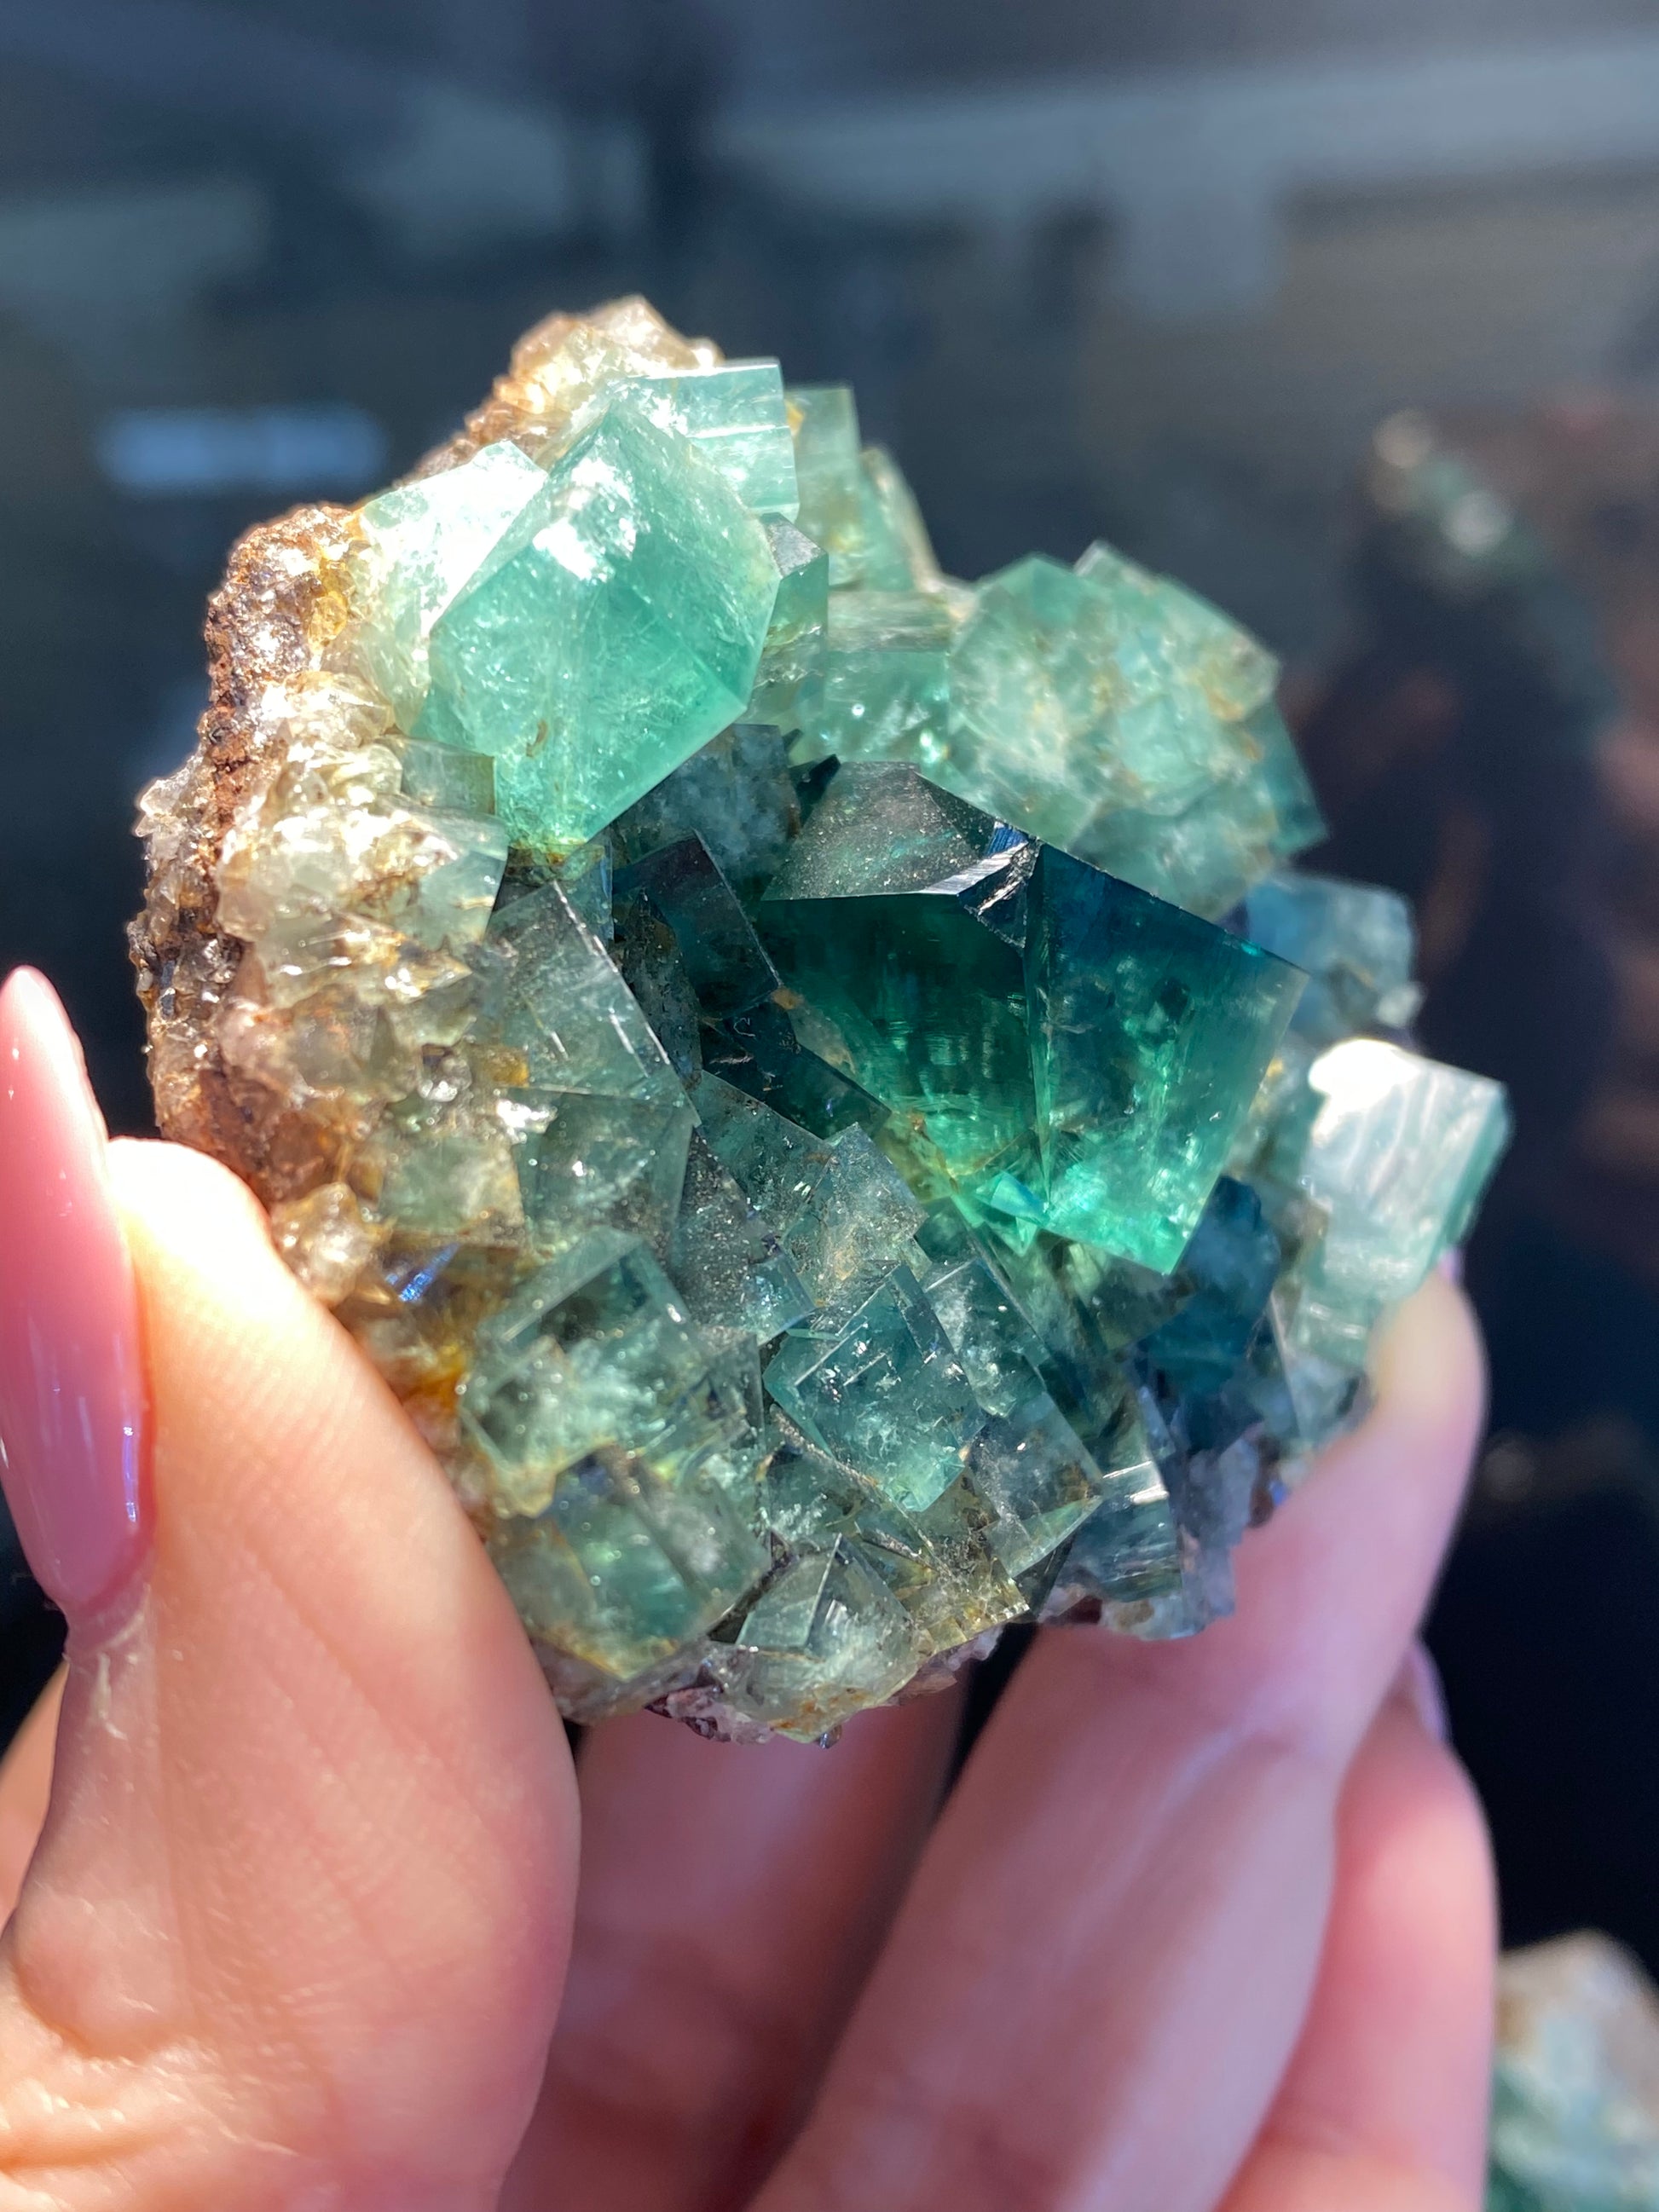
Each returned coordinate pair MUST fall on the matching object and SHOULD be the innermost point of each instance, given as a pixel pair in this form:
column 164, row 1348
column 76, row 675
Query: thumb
column 295, row 1931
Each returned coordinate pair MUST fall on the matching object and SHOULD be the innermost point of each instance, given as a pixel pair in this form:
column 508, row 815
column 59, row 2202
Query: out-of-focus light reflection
column 198, row 452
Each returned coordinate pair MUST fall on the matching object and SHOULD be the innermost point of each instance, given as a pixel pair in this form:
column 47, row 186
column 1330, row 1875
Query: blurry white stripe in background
column 1196, row 165
column 197, row 452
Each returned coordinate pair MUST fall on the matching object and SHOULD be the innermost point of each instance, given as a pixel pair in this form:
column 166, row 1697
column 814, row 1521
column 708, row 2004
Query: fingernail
column 1419, row 1683
column 71, row 1378
column 1450, row 1264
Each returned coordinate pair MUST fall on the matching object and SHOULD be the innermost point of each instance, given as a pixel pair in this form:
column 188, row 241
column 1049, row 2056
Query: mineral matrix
column 816, row 1084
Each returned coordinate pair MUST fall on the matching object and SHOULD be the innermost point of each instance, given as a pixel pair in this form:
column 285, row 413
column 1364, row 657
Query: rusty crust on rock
column 284, row 602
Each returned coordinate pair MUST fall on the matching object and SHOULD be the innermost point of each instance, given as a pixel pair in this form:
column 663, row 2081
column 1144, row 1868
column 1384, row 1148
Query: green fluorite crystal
column 1355, row 942
column 735, row 416
column 1575, row 2121
column 826, row 1639
column 1126, row 720
column 612, row 629
column 1061, row 1048
column 815, row 1083
column 1394, row 1162
column 888, row 1397
column 883, row 687
column 427, row 542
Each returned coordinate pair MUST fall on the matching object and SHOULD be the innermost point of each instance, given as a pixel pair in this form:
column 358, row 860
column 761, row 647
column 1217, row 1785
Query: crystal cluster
column 817, row 1085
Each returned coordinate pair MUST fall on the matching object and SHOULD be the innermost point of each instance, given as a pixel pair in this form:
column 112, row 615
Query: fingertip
column 1429, row 1362
column 228, row 1329
column 1394, row 2063
column 186, row 1202
column 1428, row 1380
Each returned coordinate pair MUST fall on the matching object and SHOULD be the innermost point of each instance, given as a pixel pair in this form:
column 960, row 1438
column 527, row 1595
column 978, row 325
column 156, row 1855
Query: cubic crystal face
column 815, row 1082
column 1066, row 1049
column 615, row 627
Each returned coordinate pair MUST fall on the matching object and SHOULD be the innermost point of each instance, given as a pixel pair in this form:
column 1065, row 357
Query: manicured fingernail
column 1420, row 1685
column 71, row 1378
column 1450, row 1264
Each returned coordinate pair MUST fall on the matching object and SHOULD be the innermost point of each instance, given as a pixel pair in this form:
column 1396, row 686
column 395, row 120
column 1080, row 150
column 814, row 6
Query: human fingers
column 731, row 1898
column 1105, row 1956
column 295, row 1928
column 25, row 1787
column 1383, row 2108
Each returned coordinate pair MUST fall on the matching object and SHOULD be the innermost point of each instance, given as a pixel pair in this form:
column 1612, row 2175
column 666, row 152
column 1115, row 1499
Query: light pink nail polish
column 72, row 1401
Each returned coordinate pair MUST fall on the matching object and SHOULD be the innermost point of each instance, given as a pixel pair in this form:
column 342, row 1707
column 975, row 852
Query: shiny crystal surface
column 816, row 1084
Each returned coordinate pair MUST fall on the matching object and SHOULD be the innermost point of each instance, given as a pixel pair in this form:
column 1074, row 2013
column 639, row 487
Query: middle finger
column 731, row 1898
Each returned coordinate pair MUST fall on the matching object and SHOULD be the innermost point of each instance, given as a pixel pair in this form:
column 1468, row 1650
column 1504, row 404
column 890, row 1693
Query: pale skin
column 1202, row 1927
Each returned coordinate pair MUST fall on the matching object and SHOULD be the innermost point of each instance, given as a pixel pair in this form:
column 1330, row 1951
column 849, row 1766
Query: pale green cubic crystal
column 558, row 1009
column 1281, row 782
column 735, row 415
column 585, row 1162
column 1399, row 1152
column 1126, row 722
column 445, row 777
column 615, row 629
column 1355, row 942
column 854, row 500
column 905, row 560
column 789, row 683
column 1237, row 674
column 883, row 687
column 1575, row 2116
column 1056, row 707
column 443, row 1171
column 841, row 1212
column 889, row 1397
column 1030, row 1467
column 1001, row 1352
column 595, row 1352
column 824, row 420
column 825, row 1641
column 622, row 1568
column 729, row 1265
column 427, row 542
column 938, row 1564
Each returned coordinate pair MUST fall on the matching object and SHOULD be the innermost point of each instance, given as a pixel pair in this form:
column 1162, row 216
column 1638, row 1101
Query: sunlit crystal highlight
column 815, row 1083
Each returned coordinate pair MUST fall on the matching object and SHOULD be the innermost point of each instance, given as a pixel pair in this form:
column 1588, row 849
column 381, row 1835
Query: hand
column 1205, row 1925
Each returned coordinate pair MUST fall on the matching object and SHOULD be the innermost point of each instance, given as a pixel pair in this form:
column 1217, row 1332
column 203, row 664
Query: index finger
column 1108, row 1949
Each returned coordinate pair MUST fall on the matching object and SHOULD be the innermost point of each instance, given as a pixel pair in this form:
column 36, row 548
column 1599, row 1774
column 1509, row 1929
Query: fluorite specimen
column 816, row 1084
column 1576, row 2086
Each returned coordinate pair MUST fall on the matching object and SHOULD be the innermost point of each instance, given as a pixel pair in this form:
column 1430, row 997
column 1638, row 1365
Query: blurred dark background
column 1156, row 270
